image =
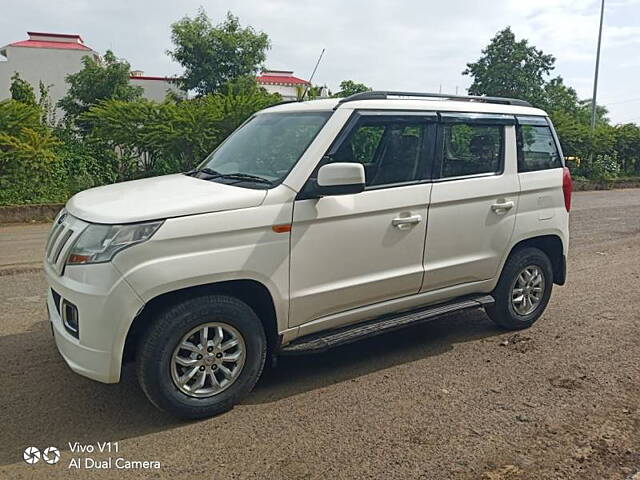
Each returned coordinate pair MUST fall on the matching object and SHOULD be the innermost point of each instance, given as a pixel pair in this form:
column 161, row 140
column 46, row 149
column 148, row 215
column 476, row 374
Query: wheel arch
column 553, row 247
column 252, row 292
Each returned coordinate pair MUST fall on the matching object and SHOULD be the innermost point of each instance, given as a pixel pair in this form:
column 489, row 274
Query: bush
column 123, row 140
column 149, row 138
column 599, row 168
column 30, row 171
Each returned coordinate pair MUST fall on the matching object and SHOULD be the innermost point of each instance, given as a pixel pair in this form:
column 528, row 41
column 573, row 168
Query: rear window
column 537, row 149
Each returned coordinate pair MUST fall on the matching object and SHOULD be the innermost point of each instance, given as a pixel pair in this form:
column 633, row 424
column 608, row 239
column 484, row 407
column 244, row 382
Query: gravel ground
column 452, row 399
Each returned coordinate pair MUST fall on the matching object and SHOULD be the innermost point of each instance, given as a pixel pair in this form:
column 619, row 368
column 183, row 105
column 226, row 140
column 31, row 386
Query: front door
column 354, row 250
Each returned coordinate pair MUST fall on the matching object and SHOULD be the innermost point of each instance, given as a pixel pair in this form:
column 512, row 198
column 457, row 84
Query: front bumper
column 106, row 306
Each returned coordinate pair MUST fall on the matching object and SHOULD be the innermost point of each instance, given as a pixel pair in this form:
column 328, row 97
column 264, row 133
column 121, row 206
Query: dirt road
column 453, row 399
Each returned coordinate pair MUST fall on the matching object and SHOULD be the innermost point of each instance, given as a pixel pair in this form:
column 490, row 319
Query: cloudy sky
column 403, row 45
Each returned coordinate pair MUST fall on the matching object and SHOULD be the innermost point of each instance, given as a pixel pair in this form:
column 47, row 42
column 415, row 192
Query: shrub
column 30, row 171
column 149, row 138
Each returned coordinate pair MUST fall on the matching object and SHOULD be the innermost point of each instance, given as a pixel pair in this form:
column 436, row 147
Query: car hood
column 159, row 197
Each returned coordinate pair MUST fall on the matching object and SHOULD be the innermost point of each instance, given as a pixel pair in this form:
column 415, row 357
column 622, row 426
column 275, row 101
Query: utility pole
column 595, row 78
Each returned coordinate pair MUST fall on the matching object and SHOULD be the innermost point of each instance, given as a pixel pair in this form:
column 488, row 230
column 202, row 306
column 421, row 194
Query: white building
column 282, row 82
column 46, row 57
column 50, row 57
column 155, row 88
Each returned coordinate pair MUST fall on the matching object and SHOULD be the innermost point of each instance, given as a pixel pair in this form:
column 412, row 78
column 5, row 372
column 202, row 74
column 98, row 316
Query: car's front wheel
column 201, row 356
column 523, row 290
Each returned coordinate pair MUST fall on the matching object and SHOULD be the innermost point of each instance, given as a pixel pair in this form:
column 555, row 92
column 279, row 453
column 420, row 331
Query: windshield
column 267, row 146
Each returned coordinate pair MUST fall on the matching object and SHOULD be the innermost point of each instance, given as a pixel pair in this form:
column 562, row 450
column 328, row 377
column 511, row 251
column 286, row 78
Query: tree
column 21, row 90
column 28, row 164
column 584, row 113
column 127, row 128
column 310, row 92
column 558, row 97
column 349, row 87
column 48, row 115
column 98, row 80
column 628, row 147
column 213, row 56
column 150, row 138
column 510, row 68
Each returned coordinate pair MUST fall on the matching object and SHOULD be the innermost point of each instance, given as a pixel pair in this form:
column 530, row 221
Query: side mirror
column 341, row 178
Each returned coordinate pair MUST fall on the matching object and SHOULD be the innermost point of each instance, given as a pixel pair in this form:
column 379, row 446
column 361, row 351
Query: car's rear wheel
column 200, row 357
column 523, row 290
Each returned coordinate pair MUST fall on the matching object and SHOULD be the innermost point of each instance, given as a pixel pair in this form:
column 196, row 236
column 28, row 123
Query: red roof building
column 280, row 77
column 282, row 82
column 62, row 41
column 50, row 57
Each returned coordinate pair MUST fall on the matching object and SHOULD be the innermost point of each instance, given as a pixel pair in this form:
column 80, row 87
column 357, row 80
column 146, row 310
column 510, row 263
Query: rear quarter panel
column 541, row 209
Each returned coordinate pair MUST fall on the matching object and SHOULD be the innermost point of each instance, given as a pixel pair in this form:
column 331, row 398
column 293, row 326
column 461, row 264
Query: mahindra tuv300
column 313, row 225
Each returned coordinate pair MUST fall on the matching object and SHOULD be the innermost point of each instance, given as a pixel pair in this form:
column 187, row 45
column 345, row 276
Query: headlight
column 99, row 243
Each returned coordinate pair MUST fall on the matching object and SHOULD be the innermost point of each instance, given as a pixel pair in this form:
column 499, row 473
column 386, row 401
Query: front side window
column 266, row 147
column 537, row 149
column 391, row 150
column 471, row 149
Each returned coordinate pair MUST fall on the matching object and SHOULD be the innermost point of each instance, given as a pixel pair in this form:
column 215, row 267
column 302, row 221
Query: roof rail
column 383, row 95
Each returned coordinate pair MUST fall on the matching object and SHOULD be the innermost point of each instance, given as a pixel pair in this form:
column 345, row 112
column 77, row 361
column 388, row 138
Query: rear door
column 349, row 251
column 474, row 199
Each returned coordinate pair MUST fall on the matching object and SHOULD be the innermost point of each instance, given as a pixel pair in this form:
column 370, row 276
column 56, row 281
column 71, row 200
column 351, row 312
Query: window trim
column 383, row 116
column 439, row 154
column 533, row 120
column 488, row 119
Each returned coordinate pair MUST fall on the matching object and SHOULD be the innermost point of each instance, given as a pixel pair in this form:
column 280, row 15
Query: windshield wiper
column 205, row 170
column 213, row 174
column 244, row 176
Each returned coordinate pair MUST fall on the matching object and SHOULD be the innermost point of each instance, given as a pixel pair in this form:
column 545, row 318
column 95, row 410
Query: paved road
column 453, row 399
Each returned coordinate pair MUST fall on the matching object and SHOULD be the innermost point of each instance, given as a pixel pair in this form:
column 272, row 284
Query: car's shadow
column 43, row 403
column 301, row 373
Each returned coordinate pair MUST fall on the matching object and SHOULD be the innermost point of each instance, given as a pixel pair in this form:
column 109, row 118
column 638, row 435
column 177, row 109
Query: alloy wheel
column 208, row 359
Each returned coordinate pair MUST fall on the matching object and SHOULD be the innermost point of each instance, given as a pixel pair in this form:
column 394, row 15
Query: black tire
column 157, row 346
column 503, row 312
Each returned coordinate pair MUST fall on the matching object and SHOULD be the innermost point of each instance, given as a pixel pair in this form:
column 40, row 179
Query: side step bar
column 319, row 342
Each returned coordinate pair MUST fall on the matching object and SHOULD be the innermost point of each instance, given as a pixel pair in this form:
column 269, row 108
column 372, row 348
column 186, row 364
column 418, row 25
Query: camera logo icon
column 31, row 455
column 51, row 455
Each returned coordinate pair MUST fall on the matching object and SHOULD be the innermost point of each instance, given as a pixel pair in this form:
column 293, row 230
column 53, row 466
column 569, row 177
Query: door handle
column 403, row 223
column 502, row 207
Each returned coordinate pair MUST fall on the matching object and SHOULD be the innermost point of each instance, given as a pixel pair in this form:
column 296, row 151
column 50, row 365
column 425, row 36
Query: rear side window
column 471, row 149
column 537, row 149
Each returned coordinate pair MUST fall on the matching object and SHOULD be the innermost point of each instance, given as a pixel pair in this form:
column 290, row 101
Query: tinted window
column 536, row 149
column 471, row 149
column 391, row 151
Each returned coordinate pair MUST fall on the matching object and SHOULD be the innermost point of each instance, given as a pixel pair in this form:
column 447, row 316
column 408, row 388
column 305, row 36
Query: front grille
column 63, row 234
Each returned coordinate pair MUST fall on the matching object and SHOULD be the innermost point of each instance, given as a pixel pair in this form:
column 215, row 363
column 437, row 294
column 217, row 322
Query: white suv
column 315, row 224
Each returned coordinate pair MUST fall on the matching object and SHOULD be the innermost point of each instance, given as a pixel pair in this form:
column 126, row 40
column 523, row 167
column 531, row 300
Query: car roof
column 407, row 104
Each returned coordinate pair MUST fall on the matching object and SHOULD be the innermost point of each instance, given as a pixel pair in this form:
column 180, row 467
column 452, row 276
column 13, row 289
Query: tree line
column 109, row 133
column 512, row 68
